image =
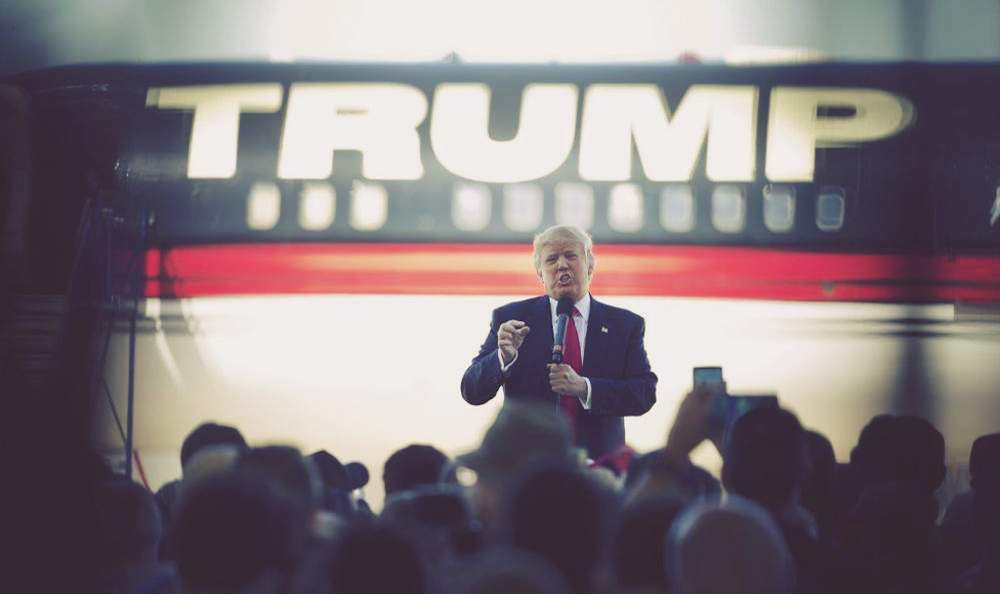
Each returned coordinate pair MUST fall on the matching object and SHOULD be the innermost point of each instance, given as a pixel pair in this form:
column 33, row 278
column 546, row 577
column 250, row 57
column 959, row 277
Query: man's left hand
column 564, row 380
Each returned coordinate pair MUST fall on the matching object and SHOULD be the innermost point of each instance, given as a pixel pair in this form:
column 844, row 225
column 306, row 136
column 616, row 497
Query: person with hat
column 604, row 374
column 340, row 481
column 524, row 435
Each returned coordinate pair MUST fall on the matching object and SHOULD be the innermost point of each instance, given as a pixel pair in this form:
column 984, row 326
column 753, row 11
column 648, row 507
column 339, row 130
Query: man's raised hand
column 697, row 420
column 510, row 335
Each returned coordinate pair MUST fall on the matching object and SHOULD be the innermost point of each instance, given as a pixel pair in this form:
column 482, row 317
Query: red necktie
column 572, row 357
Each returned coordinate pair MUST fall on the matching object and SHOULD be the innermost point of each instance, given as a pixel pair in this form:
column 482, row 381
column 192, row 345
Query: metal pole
column 135, row 275
column 131, row 389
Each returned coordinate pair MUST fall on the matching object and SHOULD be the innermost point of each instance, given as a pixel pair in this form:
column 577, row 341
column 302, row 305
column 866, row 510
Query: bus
column 312, row 250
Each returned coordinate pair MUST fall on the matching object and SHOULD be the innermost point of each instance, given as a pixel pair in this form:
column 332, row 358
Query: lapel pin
column 604, row 329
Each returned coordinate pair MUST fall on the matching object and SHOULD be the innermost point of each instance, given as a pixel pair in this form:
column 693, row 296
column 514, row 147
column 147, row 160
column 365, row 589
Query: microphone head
column 565, row 306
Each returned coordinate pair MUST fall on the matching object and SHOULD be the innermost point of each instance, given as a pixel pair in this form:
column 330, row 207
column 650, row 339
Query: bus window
column 317, row 206
column 677, row 208
column 995, row 210
column 728, row 208
column 369, row 206
column 263, row 206
column 779, row 207
column 575, row 204
column 830, row 208
column 471, row 206
column 625, row 208
column 522, row 206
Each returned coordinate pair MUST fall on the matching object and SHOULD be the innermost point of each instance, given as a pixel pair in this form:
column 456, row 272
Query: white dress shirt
column 582, row 306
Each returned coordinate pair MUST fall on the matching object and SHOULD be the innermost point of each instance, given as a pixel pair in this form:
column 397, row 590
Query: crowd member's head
column 887, row 536
column 653, row 476
column 210, row 434
column 129, row 523
column 984, row 468
column 286, row 467
column 207, row 436
column 373, row 558
column 338, row 481
column 728, row 546
column 640, row 545
column 984, row 463
column 234, row 529
column 900, row 448
column 923, row 459
column 523, row 435
column 564, row 261
column 970, row 527
column 130, row 530
column 437, row 518
column 413, row 466
column 508, row 571
column 207, row 461
column 562, row 514
column 333, row 473
column 764, row 458
column 816, row 493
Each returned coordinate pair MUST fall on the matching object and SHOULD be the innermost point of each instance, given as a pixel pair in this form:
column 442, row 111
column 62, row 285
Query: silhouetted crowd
column 526, row 513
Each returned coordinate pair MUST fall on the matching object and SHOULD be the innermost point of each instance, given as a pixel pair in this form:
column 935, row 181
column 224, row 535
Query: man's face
column 565, row 270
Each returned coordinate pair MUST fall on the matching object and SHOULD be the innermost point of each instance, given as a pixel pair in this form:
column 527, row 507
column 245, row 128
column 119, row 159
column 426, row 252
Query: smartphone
column 711, row 376
column 730, row 407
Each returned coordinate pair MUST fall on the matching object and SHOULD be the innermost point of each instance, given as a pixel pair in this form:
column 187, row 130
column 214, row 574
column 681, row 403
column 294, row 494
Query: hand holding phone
column 698, row 414
column 727, row 408
column 710, row 379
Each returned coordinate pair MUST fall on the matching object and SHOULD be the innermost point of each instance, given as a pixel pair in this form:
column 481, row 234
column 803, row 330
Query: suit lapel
column 597, row 336
column 541, row 347
column 542, row 313
column 538, row 344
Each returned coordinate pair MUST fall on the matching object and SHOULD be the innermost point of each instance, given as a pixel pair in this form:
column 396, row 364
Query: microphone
column 564, row 311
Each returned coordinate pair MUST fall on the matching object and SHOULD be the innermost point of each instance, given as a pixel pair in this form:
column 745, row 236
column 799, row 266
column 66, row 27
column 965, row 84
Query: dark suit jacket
column 615, row 362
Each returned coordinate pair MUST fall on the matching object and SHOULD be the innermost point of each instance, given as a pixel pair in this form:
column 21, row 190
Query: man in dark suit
column 610, row 377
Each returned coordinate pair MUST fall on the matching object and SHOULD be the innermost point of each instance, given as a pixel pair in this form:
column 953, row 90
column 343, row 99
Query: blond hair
column 563, row 233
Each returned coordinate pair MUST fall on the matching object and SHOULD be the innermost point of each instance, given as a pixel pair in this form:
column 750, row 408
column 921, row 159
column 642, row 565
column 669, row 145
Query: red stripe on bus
column 490, row 269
